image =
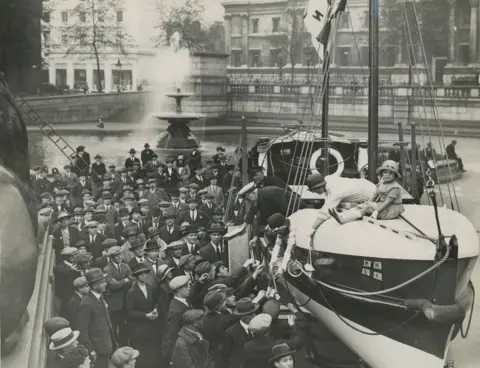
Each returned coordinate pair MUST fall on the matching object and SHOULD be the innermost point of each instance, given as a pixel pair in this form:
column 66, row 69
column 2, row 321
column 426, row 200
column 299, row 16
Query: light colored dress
column 384, row 191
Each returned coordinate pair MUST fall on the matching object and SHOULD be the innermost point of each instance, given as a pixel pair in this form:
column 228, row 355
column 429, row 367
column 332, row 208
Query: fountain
column 178, row 134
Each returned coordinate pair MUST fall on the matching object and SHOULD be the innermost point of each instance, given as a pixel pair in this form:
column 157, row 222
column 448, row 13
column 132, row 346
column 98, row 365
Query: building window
column 255, row 58
column 237, row 58
column 464, row 54
column 342, row 56
column 275, row 57
column 254, row 25
column 60, row 77
column 119, row 16
column 82, row 16
column 79, row 78
column 95, row 79
column 46, row 17
column 122, row 79
column 364, row 54
column 275, row 24
column 388, row 56
column 344, row 22
column 64, row 37
column 64, row 17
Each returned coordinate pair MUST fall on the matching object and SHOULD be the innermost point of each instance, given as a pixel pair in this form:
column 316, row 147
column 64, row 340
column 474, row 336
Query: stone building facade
column 251, row 26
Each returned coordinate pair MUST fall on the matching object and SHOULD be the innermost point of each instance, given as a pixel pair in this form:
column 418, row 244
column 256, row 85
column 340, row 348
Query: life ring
column 332, row 151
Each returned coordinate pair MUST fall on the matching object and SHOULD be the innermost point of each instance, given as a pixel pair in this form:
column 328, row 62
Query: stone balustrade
column 453, row 92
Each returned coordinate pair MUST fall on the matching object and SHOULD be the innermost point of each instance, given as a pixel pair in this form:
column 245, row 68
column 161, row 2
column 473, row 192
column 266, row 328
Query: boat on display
column 395, row 292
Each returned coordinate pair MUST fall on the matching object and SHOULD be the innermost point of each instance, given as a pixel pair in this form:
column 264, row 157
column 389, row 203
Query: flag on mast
column 318, row 17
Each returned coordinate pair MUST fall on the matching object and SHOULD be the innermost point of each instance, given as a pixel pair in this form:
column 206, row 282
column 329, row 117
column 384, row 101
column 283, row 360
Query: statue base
column 178, row 136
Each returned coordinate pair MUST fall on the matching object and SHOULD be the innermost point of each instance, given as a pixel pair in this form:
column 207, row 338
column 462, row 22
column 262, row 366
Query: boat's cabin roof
column 308, row 135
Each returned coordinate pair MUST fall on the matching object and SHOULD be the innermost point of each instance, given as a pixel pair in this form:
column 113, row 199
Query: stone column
column 70, row 74
column 90, row 81
column 245, row 32
column 108, row 76
column 451, row 35
column 474, row 30
column 228, row 36
column 52, row 73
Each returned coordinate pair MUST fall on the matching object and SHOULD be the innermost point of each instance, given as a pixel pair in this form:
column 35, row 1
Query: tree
column 97, row 27
column 290, row 37
column 399, row 21
column 20, row 41
column 186, row 19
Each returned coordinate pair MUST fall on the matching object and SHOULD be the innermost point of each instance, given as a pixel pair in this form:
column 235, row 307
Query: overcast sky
column 213, row 10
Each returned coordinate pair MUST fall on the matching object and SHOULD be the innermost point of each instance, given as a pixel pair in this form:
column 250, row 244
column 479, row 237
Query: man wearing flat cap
column 193, row 215
column 215, row 323
column 69, row 177
column 142, row 318
column 180, row 287
column 155, row 195
column 64, row 274
column 119, row 278
column 93, row 322
column 191, row 349
column 102, row 261
column 81, row 289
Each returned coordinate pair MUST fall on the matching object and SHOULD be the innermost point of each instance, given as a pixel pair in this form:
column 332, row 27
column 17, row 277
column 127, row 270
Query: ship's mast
column 373, row 90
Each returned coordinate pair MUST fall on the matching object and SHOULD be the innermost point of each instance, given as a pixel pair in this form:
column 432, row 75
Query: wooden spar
column 414, row 162
column 244, row 168
column 402, row 154
column 373, row 91
column 325, row 100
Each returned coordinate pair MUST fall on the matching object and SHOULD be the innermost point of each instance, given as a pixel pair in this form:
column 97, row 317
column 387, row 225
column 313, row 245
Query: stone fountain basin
column 177, row 115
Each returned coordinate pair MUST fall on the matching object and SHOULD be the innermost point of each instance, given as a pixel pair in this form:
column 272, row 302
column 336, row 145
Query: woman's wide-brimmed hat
column 389, row 165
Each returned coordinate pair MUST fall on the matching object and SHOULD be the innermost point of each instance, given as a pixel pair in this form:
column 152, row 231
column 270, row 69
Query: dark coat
column 202, row 218
column 137, row 306
column 101, row 262
column 194, row 160
column 99, row 168
column 209, row 254
column 41, row 186
column 450, row 152
column 72, row 310
column 96, row 247
column 207, row 210
column 273, row 181
column 58, row 239
column 202, row 182
column 174, row 325
column 146, row 156
column 111, row 216
column 129, row 161
column 190, row 351
column 116, row 285
column 64, row 276
column 214, row 331
column 93, row 322
column 156, row 197
column 235, row 339
column 118, row 231
column 167, row 237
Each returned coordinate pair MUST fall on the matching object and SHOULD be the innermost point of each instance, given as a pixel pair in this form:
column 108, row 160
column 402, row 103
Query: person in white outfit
column 338, row 191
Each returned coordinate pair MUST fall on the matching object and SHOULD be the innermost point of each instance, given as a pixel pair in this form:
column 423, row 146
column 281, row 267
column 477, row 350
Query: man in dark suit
column 122, row 224
column 394, row 153
column 193, row 215
column 180, row 287
column 214, row 251
column 155, row 221
column 216, row 157
column 152, row 261
column 121, row 182
column 177, row 206
column 208, row 206
column 98, row 168
column 94, row 240
column 81, row 289
column 102, row 261
column 118, row 282
column 93, row 321
column 170, row 232
column 238, row 334
column 82, row 161
column 41, row 184
column 111, row 214
column 65, row 235
column 142, row 318
column 199, row 179
column 146, row 155
column 130, row 160
column 261, row 181
column 155, row 195
column 171, row 176
column 64, row 273
column 452, row 155
column 194, row 159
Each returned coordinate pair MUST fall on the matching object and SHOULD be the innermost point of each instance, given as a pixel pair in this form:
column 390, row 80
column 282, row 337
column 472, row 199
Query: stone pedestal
column 460, row 71
column 399, row 74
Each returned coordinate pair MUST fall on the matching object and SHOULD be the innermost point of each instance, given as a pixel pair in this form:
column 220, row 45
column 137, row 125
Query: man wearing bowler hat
column 214, row 251
column 152, row 260
column 93, row 322
column 94, row 240
column 142, row 318
column 136, row 253
column 122, row 224
column 146, row 155
column 282, row 356
column 130, row 160
column 98, row 168
column 170, row 232
column 239, row 333
column 118, row 277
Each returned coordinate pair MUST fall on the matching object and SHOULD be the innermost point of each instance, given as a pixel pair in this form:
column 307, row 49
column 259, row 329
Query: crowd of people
column 142, row 270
